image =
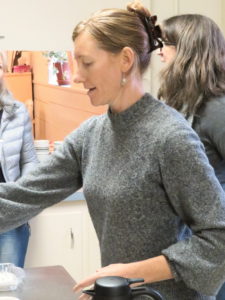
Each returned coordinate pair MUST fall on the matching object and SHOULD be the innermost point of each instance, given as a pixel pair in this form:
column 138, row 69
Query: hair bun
column 137, row 7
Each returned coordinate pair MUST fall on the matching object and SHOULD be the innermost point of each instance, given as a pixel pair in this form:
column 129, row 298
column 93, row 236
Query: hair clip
column 154, row 32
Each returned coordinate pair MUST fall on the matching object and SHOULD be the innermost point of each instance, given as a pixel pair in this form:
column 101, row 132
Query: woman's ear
column 127, row 59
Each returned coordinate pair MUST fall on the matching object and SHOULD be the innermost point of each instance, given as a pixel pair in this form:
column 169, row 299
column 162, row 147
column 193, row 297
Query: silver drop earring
column 123, row 81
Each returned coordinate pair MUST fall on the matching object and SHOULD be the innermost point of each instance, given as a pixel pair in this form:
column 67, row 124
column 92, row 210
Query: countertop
column 45, row 283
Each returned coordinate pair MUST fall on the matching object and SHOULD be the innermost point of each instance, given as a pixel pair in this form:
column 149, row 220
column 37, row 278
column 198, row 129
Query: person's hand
column 151, row 270
column 123, row 270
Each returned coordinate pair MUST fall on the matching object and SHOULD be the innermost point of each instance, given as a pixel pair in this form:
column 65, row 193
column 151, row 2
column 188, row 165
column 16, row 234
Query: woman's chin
column 94, row 101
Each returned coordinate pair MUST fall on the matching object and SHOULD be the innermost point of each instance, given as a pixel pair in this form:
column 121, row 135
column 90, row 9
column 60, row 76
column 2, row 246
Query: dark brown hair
column 197, row 71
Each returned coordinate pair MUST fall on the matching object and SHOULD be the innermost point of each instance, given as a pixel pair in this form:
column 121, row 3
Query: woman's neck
column 127, row 96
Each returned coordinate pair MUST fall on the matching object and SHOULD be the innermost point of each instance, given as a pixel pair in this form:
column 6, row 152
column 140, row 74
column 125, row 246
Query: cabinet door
column 57, row 239
column 92, row 252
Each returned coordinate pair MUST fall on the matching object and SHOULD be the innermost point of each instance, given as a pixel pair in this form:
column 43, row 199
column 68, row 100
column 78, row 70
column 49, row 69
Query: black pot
column 118, row 288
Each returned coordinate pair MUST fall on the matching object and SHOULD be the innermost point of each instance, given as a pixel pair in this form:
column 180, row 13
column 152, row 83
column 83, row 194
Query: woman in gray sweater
column 144, row 172
column 193, row 82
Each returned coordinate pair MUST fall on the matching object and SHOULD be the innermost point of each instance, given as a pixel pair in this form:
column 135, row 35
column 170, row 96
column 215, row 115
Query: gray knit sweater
column 145, row 177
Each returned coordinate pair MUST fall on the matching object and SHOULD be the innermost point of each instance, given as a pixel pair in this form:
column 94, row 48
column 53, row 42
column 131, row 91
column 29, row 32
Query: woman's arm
column 151, row 270
column 198, row 199
column 48, row 183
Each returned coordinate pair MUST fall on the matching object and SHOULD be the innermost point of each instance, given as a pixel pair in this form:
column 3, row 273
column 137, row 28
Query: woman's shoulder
column 19, row 110
column 20, row 105
column 92, row 122
column 169, row 125
column 211, row 116
column 214, row 105
column 171, row 118
column 11, row 105
column 212, row 111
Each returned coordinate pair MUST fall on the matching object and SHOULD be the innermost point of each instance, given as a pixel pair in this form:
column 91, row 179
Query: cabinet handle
column 71, row 238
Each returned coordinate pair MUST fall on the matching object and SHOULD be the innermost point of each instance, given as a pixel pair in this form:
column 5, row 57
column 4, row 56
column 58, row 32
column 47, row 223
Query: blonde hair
column 114, row 29
column 197, row 71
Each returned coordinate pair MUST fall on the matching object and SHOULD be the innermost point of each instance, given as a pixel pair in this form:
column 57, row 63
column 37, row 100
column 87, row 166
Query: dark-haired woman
column 193, row 82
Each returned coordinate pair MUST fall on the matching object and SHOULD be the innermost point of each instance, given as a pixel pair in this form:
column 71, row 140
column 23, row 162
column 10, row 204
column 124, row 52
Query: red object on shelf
column 63, row 73
column 21, row 69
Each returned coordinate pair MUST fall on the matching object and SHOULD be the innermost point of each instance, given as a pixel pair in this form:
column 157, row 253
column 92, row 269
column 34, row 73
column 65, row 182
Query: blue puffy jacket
column 17, row 153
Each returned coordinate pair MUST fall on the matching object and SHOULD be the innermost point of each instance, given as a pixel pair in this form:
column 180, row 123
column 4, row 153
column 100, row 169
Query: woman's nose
column 77, row 78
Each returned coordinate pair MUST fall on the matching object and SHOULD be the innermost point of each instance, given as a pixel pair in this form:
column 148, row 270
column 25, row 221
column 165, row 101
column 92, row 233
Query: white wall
column 223, row 15
column 45, row 24
column 41, row 24
column 48, row 25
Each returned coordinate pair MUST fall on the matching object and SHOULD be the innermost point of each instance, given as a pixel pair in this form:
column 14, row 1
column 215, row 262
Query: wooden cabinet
column 63, row 235
column 20, row 84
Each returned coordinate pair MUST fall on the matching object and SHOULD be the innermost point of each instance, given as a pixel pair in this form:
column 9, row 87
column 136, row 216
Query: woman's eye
column 87, row 64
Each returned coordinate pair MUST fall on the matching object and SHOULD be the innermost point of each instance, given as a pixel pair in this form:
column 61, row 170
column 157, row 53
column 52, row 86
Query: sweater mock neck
column 131, row 114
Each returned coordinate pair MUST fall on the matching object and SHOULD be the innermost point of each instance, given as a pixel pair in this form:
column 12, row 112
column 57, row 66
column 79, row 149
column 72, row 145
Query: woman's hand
column 151, row 270
column 123, row 270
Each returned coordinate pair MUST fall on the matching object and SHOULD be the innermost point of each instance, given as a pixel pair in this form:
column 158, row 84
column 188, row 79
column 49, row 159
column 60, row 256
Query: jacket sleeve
column 198, row 199
column 28, row 158
column 48, row 183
